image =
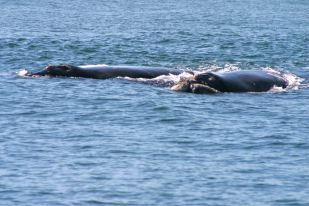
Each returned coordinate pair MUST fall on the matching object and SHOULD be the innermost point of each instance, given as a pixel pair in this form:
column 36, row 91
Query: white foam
column 22, row 72
column 163, row 80
column 276, row 89
column 174, row 78
column 215, row 68
column 293, row 81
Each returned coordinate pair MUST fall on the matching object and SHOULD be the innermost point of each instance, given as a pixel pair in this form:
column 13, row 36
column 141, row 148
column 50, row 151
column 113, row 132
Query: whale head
column 59, row 70
column 204, row 83
column 210, row 79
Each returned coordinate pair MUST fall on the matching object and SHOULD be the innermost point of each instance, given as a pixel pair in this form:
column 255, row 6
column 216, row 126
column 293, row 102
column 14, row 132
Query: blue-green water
column 114, row 142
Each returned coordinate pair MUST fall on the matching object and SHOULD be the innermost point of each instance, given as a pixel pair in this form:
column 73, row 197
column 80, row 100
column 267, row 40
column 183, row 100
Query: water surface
column 70, row 141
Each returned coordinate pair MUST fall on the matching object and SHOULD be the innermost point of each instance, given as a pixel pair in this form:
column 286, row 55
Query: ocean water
column 66, row 141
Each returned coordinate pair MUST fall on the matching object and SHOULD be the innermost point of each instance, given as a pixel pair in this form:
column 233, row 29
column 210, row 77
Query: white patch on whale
column 93, row 66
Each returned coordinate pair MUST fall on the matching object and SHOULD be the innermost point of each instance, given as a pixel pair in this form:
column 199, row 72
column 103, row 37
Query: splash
column 22, row 73
column 294, row 82
column 215, row 68
column 163, row 80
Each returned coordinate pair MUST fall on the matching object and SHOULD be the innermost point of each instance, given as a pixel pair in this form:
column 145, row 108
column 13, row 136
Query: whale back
column 105, row 72
column 251, row 81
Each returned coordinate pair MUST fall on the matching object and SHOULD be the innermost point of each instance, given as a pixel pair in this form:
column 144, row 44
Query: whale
column 104, row 71
column 200, row 83
column 233, row 81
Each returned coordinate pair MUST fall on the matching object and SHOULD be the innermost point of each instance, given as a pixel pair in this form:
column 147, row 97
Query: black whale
column 235, row 81
column 207, row 82
column 104, row 71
